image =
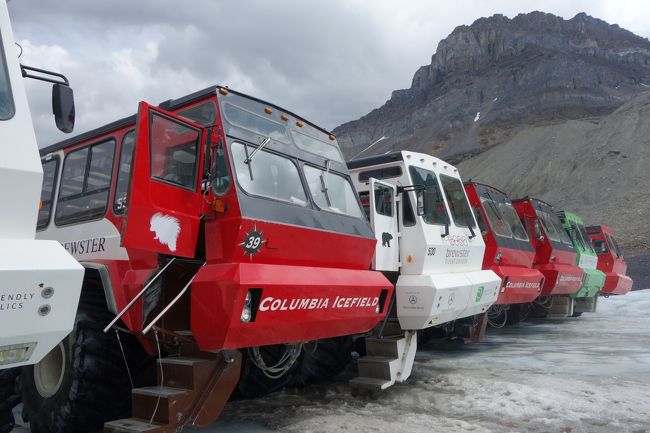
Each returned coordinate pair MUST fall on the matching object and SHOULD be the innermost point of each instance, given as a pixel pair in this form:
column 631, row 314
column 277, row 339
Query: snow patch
column 478, row 116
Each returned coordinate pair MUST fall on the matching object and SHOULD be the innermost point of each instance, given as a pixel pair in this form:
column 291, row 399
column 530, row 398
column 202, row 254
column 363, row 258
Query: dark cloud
column 330, row 61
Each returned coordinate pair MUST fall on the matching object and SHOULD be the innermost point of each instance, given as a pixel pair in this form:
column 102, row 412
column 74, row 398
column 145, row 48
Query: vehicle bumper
column 428, row 300
column 560, row 279
column 593, row 283
column 616, row 284
column 520, row 285
column 40, row 284
column 290, row 304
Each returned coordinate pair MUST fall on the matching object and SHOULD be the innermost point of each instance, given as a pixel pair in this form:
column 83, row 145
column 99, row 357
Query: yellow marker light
column 284, row 117
column 268, row 110
column 223, row 91
column 332, row 137
column 219, row 206
column 409, row 259
column 299, row 124
column 40, row 204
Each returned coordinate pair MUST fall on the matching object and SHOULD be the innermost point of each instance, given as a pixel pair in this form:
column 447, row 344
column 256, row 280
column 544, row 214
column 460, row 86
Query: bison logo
column 385, row 239
column 167, row 229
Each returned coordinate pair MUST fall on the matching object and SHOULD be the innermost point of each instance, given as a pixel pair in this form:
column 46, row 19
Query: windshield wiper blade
column 260, row 147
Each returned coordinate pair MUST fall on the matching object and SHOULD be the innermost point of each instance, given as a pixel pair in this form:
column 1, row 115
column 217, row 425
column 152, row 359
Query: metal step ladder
column 388, row 360
column 190, row 392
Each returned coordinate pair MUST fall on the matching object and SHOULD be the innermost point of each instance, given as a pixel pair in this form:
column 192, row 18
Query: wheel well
column 97, row 279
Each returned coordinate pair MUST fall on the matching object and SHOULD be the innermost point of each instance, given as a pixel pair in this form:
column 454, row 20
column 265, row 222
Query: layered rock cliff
column 489, row 80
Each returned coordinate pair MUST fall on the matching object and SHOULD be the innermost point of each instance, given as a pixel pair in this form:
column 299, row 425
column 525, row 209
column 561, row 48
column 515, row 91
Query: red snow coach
column 508, row 251
column 554, row 254
column 218, row 231
column 610, row 261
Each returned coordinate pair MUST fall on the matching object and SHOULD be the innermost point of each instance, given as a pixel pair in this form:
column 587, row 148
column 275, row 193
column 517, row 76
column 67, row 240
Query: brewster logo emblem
column 167, row 228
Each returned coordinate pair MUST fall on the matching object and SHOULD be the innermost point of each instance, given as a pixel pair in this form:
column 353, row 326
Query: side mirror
column 419, row 194
column 63, row 107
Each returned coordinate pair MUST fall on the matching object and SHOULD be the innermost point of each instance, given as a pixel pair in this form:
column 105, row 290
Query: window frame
column 224, row 114
column 55, row 184
column 448, row 199
column 70, row 221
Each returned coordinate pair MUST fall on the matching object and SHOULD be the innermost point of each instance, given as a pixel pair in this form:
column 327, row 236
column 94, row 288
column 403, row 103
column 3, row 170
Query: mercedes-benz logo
column 413, row 299
column 451, row 298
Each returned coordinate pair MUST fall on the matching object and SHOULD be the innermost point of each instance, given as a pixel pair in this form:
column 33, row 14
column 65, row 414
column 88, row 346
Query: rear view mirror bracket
column 62, row 95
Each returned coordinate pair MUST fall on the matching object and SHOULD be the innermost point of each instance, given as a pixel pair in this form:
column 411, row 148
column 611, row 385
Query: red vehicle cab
column 554, row 254
column 610, row 261
column 508, row 251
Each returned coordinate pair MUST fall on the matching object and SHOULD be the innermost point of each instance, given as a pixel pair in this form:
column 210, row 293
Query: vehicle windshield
column 495, row 218
column 457, row 201
column 549, row 227
column 6, row 99
column 585, row 238
column 332, row 192
column 614, row 245
column 255, row 123
column 510, row 216
column 435, row 211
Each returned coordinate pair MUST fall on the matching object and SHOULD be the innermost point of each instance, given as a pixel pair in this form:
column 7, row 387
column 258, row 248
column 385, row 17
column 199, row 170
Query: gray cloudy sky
column 330, row 61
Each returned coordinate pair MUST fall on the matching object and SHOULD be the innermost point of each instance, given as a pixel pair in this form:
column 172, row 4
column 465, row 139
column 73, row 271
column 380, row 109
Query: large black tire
column 253, row 382
column 90, row 385
column 9, row 398
column 323, row 360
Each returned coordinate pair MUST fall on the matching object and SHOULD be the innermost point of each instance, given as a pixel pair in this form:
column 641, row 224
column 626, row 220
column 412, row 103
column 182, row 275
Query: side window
column 50, row 169
column 174, row 152
column 332, row 192
column 381, row 173
column 6, row 98
column 268, row 175
column 384, row 200
column 221, row 180
column 85, row 183
column 203, row 114
column 124, row 172
column 600, row 246
column 408, row 216
column 364, row 197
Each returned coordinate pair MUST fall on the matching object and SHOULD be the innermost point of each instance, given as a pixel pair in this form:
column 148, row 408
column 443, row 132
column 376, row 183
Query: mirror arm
column 25, row 70
column 446, row 233
column 471, row 230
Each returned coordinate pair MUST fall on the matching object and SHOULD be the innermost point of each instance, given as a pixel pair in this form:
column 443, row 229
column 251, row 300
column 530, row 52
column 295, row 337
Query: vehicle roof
column 471, row 182
column 169, row 104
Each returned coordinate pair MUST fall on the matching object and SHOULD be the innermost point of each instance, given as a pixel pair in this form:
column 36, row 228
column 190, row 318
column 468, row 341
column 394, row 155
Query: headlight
column 246, row 313
column 16, row 353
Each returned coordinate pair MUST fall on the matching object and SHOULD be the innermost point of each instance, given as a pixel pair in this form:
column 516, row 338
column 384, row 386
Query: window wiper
column 260, row 147
column 323, row 180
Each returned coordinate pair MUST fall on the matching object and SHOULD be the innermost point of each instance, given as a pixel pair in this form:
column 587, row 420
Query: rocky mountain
column 498, row 76
column 596, row 167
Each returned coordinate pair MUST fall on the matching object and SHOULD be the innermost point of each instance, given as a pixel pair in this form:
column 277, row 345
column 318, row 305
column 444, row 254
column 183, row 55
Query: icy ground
column 588, row 374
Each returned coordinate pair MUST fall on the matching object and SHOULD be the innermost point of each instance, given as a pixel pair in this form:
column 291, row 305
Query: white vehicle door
column 383, row 219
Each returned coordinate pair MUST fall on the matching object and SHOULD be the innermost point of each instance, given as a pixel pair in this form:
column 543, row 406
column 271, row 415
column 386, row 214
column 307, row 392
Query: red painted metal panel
column 296, row 304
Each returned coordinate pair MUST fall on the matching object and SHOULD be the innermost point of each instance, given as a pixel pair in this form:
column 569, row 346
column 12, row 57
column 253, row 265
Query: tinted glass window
column 124, row 172
column 6, row 99
column 268, row 175
column 481, row 222
column 574, row 234
column 364, row 197
column 408, row 215
column 318, row 147
column 253, row 122
column 85, row 183
column 203, row 114
column 381, row 173
column 384, row 200
column 600, row 246
column 614, row 245
column 494, row 216
column 47, row 192
column 174, row 152
column 332, row 192
column 435, row 211
column 458, row 204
